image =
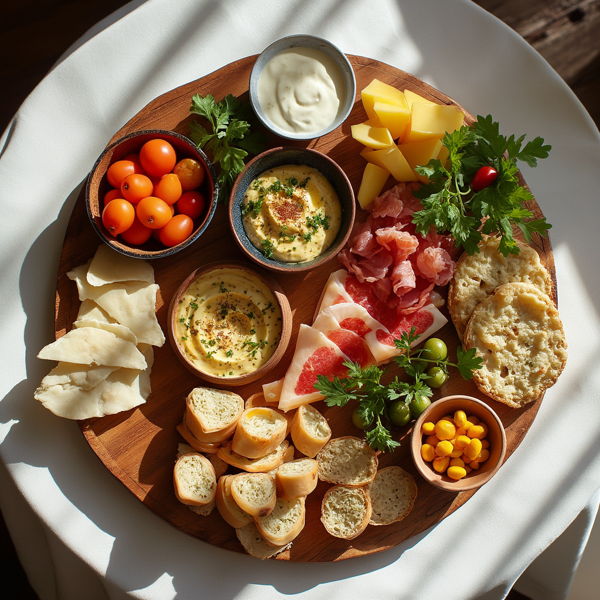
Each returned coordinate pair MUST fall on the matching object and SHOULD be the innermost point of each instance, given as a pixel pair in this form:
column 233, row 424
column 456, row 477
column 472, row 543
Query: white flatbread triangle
column 109, row 266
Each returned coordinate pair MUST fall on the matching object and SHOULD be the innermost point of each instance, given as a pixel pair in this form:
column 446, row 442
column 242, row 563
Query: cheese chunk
column 378, row 91
column 433, row 120
column 393, row 161
column 412, row 98
column 394, row 117
column 372, row 137
column 372, row 182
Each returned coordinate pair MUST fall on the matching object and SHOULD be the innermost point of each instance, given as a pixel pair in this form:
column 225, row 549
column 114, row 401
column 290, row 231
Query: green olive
column 437, row 377
column 358, row 420
column 399, row 413
column 435, row 349
column 418, row 405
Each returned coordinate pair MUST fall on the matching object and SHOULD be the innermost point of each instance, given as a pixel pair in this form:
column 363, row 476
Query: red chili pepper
column 484, row 177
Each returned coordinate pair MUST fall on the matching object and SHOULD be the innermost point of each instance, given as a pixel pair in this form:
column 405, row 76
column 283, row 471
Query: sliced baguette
column 254, row 493
column 203, row 511
column 219, row 465
column 186, row 434
column 297, row 478
column 211, row 411
column 280, row 455
column 194, row 479
column 255, row 545
column 284, row 522
column 259, row 431
column 345, row 511
column 393, row 493
column 226, row 505
column 215, row 437
column 347, row 460
column 310, row 430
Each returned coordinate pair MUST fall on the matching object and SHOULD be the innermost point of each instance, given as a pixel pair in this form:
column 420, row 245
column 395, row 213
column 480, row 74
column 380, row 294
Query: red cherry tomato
column 111, row 195
column 118, row 216
column 178, row 229
column 157, row 157
column 190, row 173
column 484, row 177
column 117, row 172
column 168, row 188
column 135, row 187
column 137, row 234
column 153, row 212
column 191, row 204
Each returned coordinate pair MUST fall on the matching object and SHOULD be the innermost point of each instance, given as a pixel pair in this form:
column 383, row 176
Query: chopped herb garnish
column 267, row 248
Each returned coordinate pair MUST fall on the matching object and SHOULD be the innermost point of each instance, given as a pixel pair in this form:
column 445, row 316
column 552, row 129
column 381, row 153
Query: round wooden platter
column 139, row 446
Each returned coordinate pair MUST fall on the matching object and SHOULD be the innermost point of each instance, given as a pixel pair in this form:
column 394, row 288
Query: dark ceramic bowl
column 97, row 186
column 291, row 156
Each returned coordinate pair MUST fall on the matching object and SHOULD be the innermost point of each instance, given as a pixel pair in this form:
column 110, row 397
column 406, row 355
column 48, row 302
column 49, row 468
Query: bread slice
column 194, row 479
column 518, row 333
column 185, row 433
column 254, row 493
column 215, row 437
column 226, row 505
column 310, row 430
column 297, row 478
column 284, row 522
column 211, row 411
column 259, row 431
column 393, row 493
column 347, row 460
column 203, row 511
column 255, row 545
column 477, row 275
column 256, row 465
column 345, row 511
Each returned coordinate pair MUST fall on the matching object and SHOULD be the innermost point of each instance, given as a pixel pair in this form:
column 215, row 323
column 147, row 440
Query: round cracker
column 477, row 275
column 518, row 333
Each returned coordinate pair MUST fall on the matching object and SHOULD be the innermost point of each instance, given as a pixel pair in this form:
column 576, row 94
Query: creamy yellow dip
column 228, row 322
column 291, row 213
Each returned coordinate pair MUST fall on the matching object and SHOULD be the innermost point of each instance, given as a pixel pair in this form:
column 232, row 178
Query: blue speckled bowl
column 291, row 156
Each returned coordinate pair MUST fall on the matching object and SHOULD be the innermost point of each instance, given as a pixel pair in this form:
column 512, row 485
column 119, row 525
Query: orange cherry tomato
column 135, row 159
column 191, row 204
column 178, row 229
column 157, row 157
column 137, row 234
column 135, row 187
column 168, row 188
column 118, row 216
column 111, row 195
column 153, row 212
column 117, row 172
column 190, row 172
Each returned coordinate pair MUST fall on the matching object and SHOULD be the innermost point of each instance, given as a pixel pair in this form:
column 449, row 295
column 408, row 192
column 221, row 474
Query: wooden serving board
column 139, row 446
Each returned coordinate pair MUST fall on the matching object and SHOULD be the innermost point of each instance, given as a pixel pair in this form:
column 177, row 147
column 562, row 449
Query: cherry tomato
column 117, row 172
column 190, row 173
column 111, row 195
column 357, row 419
column 399, row 413
column 191, row 204
column 437, row 377
column 118, row 216
column 153, row 212
column 137, row 234
column 135, row 159
column 418, row 404
column 135, row 187
column 178, row 229
column 157, row 157
column 435, row 349
column 484, row 177
column 168, row 188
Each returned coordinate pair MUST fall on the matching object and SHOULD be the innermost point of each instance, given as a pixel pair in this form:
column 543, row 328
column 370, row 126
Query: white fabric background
column 46, row 153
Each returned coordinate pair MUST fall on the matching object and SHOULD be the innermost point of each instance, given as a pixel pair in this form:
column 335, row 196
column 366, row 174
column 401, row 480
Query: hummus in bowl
column 228, row 324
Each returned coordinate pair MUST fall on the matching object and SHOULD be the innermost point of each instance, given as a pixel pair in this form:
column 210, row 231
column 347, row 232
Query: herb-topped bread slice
column 345, row 511
column 393, row 493
column 348, row 461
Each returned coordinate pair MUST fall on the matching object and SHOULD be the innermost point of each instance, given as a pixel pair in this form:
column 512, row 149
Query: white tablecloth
column 86, row 517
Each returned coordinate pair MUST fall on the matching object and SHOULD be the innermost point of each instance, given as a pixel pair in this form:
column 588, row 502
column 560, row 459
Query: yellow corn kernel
column 427, row 428
column 427, row 452
column 456, row 453
column 440, row 464
column 456, row 473
column 457, row 462
column 483, row 456
column 474, row 465
column 462, row 441
column 485, row 443
column 466, row 459
column 444, row 448
column 473, row 449
column 460, row 418
column 432, row 440
column 485, row 428
column 445, row 430
column 467, row 425
column 475, row 431
column 474, row 420
column 461, row 431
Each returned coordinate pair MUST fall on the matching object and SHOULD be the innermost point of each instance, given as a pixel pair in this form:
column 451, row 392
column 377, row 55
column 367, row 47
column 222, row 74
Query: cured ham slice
column 315, row 355
column 334, row 291
column 436, row 265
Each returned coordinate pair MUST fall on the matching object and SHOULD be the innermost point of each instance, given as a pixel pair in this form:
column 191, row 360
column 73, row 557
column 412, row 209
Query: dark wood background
column 34, row 33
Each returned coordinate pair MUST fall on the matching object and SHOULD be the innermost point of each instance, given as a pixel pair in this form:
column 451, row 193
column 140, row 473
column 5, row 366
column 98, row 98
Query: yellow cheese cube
column 433, row 120
column 393, row 161
column 377, row 91
column 421, row 152
column 395, row 117
column 372, row 137
column 411, row 98
column 372, row 183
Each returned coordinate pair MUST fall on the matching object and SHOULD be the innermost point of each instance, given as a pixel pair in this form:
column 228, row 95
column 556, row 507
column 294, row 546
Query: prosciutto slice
column 436, row 265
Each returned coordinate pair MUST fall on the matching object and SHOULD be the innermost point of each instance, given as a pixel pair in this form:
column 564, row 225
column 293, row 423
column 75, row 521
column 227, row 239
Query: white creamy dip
column 300, row 90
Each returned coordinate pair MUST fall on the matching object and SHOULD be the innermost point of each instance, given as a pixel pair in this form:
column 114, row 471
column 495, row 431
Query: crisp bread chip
column 109, row 266
column 82, row 376
column 518, row 333
column 90, row 311
column 477, row 275
column 93, row 346
column 116, row 328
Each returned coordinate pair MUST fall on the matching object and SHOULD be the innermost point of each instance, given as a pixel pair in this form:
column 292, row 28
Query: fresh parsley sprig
column 451, row 206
